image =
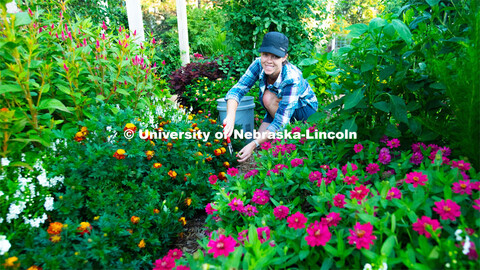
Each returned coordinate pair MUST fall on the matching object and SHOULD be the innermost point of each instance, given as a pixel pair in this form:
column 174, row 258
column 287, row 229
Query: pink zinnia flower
column 232, row 171
column 462, row 165
column 394, row 193
column 297, row 221
column 266, row 145
column 260, row 234
column 296, row 130
column 296, row 162
column 213, row 179
column 358, row 148
column 250, row 174
column 318, row 234
column 182, row 267
column 175, row 253
column 242, row 236
column 394, row 143
column 418, row 147
column 447, row 209
column 280, row 212
column 477, row 204
column 350, row 180
column 359, row 193
column 222, row 246
column 332, row 219
column 416, row 158
column 372, row 168
column 250, row 210
column 462, row 187
column 325, row 167
column 261, row 196
column 332, row 174
column 339, row 201
column 422, row 223
column 315, row 176
column 416, row 178
column 362, row 235
column 236, row 205
column 353, row 167
column 384, row 158
column 165, row 263
column 209, row 209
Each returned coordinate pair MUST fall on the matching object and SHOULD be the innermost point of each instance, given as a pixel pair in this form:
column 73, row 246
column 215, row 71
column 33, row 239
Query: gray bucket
column 244, row 116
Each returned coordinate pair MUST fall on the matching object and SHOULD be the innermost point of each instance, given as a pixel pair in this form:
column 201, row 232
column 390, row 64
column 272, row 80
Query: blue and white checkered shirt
column 290, row 86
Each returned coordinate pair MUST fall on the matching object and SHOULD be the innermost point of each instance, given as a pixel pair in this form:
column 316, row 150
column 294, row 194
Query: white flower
column 383, row 267
column 457, row 235
column 35, row 223
column 466, row 245
column 367, row 267
column 42, row 179
column 4, row 245
column 5, row 162
column 48, row 203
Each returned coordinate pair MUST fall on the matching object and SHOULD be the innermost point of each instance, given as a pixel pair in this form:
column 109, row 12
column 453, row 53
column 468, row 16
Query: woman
column 284, row 93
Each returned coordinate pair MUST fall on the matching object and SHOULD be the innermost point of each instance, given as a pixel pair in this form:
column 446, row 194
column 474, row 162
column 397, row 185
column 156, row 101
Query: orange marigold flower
column 130, row 126
column 119, row 154
column 150, row 154
column 84, row 130
column 146, row 134
column 224, row 143
column 4, row 110
column 130, row 231
column 208, row 159
column 183, row 221
column 79, row 136
column 217, row 152
column 157, row 165
column 212, row 121
column 169, row 145
column 188, row 201
column 34, row 267
column 172, row 174
column 55, row 228
column 216, row 141
column 156, row 211
column 209, row 144
column 194, row 125
column 223, row 150
column 55, row 238
column 11, row 262
column 226, row 164
column 222, row 176
column 200, row 111
column 84, row 228
column 141, row 244
column 199, row 154
column 135, row 219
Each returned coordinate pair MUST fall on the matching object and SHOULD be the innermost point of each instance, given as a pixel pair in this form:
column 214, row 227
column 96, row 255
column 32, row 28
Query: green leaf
column 399, row 109
column 356, row 30
column 316, row 117
column 388, row 245
column 327, row 264
column 382, row 106
column 303, row 254
column 415, row 126
column 308, row 62
column 22, row 18
column 402, row 30
column 21, row 164
column 386, row 72
column 53, row 104
column 123, row 92
column 376, row 23
column 349, row 125
column 433, row 2
column 10, row 88
column 331, row 250
column 369, row 218
column 352, row 99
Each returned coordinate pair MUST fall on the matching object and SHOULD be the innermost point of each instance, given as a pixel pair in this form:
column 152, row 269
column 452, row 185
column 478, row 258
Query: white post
column 183, row 32
column 135, row 19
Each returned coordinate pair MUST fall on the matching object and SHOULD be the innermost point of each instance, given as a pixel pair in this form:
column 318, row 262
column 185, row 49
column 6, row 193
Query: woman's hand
column 246, row 152
column 228, row 125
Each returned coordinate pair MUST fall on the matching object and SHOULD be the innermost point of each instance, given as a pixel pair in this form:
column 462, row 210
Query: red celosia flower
column 358, row 148
column 422, row 223
column 119, row 154
column 318, row 234
column 362, row 235
column 165, row 263
column 462, row 187
column 260, row 234
column 447, row 209
column 416, row 178
column 232, row 171
column 280, row 212
column 359, row 193
column 339, row 201
column 394, row 193
column 222, row 246
column 297, row 221
column 332, row 219
column 175, row 253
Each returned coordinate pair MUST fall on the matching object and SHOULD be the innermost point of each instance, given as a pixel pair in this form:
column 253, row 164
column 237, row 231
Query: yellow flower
column 84, row 226
column 172, row 174
column 55, row 228
column 190, row 117
column 10, row 262
column 141, row 244
column 135, row 219
column 55, row 238
column 183, row 221
column 34, row 267
column 188, row 201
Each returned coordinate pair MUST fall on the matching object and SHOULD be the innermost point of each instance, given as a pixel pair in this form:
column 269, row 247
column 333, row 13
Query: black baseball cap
column 275, row 43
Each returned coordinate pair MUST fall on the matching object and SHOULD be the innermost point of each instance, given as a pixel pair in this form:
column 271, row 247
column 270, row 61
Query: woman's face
column 272, row 64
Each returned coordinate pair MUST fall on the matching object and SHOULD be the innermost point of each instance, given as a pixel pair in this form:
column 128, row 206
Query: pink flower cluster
column 281, row 212
column 283, row 149
column 422, row 223
column 277, row 169
column 362, row 236
column 168, row 262
column 261, row 196
column 223, row 246
column 250, row 174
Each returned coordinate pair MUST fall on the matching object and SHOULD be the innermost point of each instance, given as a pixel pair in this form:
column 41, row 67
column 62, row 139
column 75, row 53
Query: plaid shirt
column 290, row 86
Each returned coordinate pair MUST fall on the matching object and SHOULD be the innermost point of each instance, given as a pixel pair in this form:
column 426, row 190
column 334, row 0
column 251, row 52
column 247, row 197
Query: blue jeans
column 300, row 114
